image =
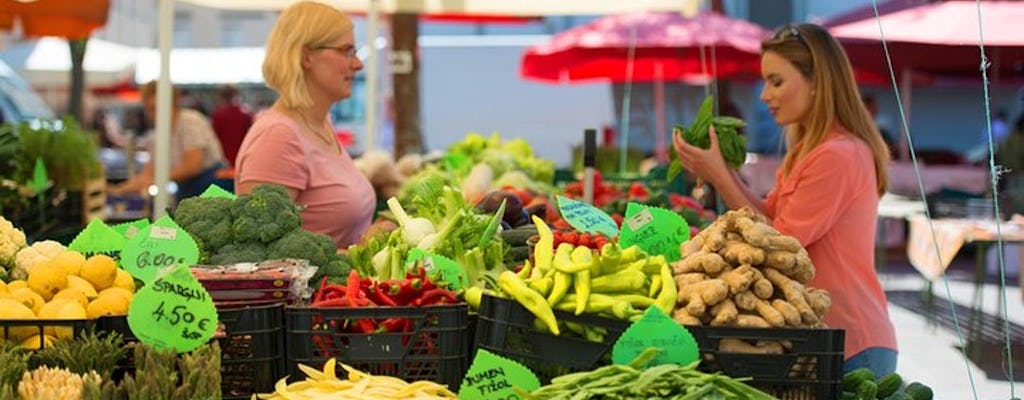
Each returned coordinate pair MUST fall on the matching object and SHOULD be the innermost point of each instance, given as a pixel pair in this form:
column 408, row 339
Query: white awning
column 475, row 7
column 47, row 62
column 205, row 66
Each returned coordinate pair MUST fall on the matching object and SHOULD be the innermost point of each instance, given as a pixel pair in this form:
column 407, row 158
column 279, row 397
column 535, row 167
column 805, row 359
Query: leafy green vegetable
column 207, row 219
column 265, row 214
column 239, row 252
column 731, row 144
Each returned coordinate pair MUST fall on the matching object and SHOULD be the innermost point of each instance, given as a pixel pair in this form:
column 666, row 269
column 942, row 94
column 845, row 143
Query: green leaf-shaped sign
column 39, row 176
column 439, row 268
column 174, row 312
column 158, row 246
column 131, row 228
column 587, row 218
column 494, row 377
column 97, row 237
column 217, row 191
column 655, row 230
column 656, row 329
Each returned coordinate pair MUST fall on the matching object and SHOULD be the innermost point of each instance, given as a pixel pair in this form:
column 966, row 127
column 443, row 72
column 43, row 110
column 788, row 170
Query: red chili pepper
column 333, row 302
column 405, row 291
column 395, row 325
column 377, row 295
column 435, row 296
column 332, row 292
column 320, row 289
column 323, row 343
column 352, row 289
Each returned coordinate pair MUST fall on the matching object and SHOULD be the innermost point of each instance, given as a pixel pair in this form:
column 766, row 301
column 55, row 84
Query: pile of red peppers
column 416, row 290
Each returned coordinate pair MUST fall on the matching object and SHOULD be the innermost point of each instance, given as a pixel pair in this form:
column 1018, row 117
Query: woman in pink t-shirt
column 310, row 62
column 828, row 186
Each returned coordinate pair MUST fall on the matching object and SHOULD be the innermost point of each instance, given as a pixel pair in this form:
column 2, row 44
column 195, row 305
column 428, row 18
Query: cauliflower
column 38, row 252
column 11, row 240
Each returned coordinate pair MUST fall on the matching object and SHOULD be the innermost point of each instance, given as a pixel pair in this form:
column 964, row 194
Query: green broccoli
column 303, row 244
column 207, row 219
column 264, row 215
column 239, row 252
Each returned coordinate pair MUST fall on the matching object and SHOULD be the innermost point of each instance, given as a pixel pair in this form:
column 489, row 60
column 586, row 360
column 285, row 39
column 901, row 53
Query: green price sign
column 156, row 247
column 587, row 218
column 492, row 377
column 130, row 229
column 174, row 312
column 656, row 329
column 439, row 269
column 655, row 230
column 97, row 237
column 217, row 191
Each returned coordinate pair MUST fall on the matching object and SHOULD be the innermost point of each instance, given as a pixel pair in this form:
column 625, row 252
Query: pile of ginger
column 740, row 271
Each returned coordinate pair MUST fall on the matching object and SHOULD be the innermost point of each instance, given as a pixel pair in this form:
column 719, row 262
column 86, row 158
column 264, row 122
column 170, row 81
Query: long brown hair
column 820, row 59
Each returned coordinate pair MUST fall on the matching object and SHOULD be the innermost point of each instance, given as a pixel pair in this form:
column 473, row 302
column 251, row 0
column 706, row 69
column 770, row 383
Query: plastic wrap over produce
column 272, row 281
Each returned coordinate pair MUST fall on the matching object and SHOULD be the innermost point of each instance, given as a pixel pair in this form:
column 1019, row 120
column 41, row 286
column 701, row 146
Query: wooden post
column 77, row 48
column 406, row 83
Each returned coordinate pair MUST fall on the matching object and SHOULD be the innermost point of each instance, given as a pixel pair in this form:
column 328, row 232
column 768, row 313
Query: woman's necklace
column 333, row 144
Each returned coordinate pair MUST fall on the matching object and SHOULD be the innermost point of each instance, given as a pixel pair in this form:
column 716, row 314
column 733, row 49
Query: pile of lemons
column 67, row 287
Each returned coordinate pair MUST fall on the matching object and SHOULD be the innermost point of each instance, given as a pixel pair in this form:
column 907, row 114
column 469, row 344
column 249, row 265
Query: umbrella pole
column 161, row 155
column 371, row 79
column 905, row 87
column 627, row 95
column 659, row 113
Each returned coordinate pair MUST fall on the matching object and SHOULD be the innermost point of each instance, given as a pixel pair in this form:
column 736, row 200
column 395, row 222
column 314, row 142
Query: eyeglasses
column 790, row 32
column 346, row 50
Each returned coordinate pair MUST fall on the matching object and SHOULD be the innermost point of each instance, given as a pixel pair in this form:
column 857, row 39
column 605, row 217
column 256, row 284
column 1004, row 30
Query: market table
column 951, row 235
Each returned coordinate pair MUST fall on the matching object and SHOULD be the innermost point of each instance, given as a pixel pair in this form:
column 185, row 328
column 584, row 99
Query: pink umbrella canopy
column 668, row 46
column 935, row 37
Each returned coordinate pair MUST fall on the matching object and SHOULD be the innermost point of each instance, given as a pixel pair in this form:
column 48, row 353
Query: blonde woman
column 310, row 62
column 195, row 152
column 827, row 189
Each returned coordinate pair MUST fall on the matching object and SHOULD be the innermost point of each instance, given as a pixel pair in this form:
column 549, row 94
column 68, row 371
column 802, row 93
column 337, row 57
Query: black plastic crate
column 20, row 330
column 507, row 328
column 811, row 369
column 435, row 349
column 252, row 348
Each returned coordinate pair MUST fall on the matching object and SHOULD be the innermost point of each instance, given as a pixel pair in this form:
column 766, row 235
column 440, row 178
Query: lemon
column 29, row 298
column 16, row 284
column 107, row 305
column 100, row 271
column 14, row 310
column 47, row 279
column 71, row 261
column 3, row 288
column 119, row 293
column 62, row 309
column 82, row 285
column 124, row 280
column 33, row 342
column 72, row 294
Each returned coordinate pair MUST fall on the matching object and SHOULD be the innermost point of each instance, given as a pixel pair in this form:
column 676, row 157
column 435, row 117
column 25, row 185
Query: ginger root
column 739, row 279
column 794, row 293
column 732, row 345
column 724, row 313
column 689, row 278
column 698, row 296
column 691, row 246
column 701, row 261
column 819, row 300
column 737, row 252
column 749, row 302
column 751, row 321
column 788, row 312
column 683, row 317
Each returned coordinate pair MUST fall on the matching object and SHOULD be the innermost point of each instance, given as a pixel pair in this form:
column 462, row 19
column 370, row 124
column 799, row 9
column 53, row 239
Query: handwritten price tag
column 656, row 329
column 174, row 312
column 130, row 229
column 655, row 230
column 493, row 377
column 97, row 237
column 156, row 247
column 439, row 268
column 587, row 218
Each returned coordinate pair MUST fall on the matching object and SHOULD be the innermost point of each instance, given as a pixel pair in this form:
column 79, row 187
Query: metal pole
column 371, row 78
column 161, row 153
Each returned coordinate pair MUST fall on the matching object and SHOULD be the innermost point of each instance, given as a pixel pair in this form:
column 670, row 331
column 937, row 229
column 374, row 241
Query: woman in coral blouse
column 310, row 62
column 827, row 189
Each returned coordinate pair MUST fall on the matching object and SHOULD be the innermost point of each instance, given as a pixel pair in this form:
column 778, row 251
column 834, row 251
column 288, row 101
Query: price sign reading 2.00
column 175, row 311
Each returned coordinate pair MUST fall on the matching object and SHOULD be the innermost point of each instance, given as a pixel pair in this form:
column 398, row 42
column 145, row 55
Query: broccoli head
column 239, row 252
column 318, row 249
column 208, row 220
column 264, row 215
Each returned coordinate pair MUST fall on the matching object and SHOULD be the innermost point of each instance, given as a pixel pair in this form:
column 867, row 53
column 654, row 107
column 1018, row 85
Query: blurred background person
column 231, row 120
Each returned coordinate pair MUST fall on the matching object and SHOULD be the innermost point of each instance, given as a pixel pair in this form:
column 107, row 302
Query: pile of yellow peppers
column 613, row 282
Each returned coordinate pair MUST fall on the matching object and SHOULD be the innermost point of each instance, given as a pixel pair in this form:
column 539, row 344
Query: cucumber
column 918, row 391
column 889, row 384
column 899, row 396
column 518, row 236
column 867, row 390
column 853, row 378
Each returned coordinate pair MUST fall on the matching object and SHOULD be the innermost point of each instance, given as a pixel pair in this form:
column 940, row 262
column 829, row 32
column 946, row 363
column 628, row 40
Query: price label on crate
column 156, row 247
column 655, row 230
column 174, row 312
column 97, row 237
column 587, row 218
column 656, row 329
column 494, row 377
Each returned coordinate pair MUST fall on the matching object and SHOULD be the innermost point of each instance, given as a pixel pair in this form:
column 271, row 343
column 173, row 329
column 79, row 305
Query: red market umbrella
column 72, row 19
column 667, row 46
column 935, row 38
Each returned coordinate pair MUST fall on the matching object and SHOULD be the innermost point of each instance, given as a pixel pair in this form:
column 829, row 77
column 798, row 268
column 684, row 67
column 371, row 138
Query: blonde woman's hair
column 148, row 91
column 820, row 59
column 302, row 26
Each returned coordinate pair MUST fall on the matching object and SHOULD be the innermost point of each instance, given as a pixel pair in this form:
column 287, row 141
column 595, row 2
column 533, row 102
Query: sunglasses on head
column 790, row 32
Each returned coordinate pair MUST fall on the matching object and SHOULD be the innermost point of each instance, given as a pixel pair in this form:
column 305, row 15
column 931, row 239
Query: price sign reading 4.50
column 174, row 311
column 156, row 247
